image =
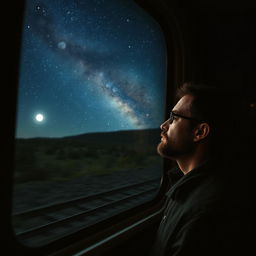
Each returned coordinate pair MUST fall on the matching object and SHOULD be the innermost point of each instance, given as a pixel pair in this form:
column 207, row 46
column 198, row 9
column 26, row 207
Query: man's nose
column 164, row 126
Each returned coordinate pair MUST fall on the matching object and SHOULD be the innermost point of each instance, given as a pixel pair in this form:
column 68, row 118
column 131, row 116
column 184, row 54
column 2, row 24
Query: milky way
column 85, row 58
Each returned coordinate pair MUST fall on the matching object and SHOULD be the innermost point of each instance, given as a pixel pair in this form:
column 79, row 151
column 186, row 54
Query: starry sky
column 89, row 66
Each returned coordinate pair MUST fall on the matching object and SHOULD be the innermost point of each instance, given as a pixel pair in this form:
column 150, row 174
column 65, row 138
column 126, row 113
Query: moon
column 39, row 117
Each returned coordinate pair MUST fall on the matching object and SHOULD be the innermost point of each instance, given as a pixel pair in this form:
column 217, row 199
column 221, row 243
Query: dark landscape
column 50, row 170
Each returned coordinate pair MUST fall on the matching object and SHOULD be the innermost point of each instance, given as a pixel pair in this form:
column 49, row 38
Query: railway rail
column 41, row 225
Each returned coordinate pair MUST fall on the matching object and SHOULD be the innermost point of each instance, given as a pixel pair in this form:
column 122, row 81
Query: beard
column 166, row 151
column 174, row 149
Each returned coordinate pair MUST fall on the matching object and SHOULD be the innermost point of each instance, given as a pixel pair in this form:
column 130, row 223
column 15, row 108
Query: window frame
column 114, row 227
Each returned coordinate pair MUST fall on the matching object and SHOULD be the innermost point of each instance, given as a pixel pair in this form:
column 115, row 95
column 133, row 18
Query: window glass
column 90, row 102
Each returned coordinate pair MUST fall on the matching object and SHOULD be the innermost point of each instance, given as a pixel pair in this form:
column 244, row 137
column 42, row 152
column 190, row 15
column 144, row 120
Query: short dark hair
column 217, row 107
column 204, row 104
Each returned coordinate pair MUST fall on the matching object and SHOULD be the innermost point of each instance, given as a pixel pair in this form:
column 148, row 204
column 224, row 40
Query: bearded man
column 204, row 213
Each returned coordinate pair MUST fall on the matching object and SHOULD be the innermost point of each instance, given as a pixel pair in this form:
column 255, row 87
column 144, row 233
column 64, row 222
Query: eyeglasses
column 172, row 115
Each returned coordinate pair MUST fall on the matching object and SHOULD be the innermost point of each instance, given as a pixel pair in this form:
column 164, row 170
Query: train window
column 90, row 102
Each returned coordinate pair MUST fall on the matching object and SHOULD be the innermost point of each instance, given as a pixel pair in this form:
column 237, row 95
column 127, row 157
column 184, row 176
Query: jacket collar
column 186, row 180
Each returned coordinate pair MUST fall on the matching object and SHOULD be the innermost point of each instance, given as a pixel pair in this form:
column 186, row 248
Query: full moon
column 39, row 118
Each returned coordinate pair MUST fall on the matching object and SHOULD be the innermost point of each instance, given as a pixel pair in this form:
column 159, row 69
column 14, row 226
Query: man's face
column 177, row 136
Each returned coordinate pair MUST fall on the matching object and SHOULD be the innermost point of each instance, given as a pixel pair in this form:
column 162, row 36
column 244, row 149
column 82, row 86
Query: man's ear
column 201, row 131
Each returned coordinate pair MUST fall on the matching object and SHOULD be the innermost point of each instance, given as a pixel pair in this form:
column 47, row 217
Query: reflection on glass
column 91, row 90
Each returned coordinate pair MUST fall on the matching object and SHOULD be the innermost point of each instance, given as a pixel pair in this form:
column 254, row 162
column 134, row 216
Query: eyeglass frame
column 172, row 115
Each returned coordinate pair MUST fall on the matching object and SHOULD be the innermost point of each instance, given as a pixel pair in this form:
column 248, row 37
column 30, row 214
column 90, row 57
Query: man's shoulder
column 202, row 193
column 202, row 184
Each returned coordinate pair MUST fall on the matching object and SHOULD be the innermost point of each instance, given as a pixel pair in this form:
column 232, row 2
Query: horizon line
column 79, row 134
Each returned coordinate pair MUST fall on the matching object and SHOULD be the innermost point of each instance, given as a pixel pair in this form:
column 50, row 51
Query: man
column 205, row 208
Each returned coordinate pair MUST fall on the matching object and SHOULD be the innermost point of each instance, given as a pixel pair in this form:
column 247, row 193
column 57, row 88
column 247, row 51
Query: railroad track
column 41, row 225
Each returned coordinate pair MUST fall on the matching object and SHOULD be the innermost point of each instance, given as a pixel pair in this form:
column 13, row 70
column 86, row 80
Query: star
column 62, row 45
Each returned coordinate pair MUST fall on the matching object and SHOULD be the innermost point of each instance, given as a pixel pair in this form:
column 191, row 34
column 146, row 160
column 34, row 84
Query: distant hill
column 147, row 137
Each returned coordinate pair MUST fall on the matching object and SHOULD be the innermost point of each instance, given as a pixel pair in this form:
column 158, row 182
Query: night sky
column 89, row 66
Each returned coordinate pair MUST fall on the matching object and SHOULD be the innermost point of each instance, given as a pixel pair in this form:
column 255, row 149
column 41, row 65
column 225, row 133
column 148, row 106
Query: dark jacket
column 202, row 216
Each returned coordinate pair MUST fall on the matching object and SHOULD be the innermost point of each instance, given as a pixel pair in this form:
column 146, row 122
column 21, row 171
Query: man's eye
column 172, row 119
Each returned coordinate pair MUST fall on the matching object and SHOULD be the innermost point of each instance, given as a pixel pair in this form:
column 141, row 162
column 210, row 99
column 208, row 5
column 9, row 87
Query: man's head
column 195, row 121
